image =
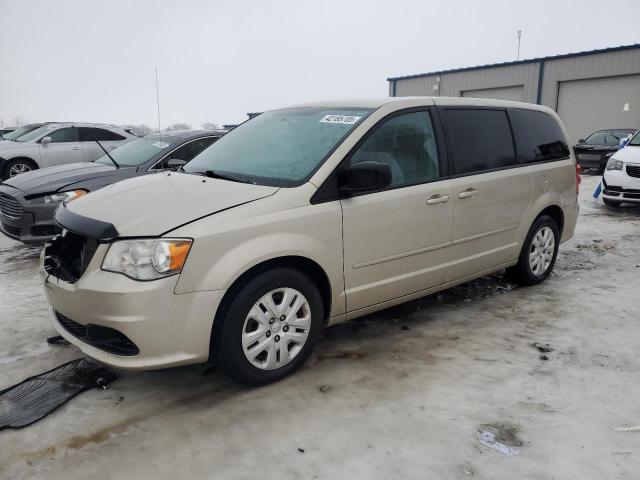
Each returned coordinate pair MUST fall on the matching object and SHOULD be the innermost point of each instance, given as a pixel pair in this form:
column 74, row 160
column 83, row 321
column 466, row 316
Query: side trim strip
column 486, row 234
column 402, row 255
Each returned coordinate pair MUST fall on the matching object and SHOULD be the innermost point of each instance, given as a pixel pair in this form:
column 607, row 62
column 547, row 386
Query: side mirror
column 581, row 140
column 176, row 163
column 45, row 140
column 366, row 176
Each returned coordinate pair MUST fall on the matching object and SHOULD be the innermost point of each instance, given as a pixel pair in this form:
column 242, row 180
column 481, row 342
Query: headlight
column 147, row 259
column 65, row 197
column 614, row 164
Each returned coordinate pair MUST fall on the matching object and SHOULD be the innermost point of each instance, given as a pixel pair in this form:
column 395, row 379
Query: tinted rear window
column 540, row 137
column 91, row 134
column 479, row 139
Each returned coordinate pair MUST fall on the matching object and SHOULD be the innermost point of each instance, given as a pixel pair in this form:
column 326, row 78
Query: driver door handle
column 75, row 148
column 468, row 193
column 437, row 198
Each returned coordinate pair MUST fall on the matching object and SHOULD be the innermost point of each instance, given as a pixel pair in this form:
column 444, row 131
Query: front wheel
column 18, row 166
column 539, row 252
column 270, row 326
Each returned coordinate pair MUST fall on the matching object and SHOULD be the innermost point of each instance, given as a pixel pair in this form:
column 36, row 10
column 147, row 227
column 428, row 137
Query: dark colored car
column 28, row 201
column 595, row 150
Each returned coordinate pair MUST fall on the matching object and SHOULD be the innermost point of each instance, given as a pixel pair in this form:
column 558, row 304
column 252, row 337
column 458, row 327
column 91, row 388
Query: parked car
column 58, row 144
column 308, row 216
column 621, row 180
column 597, row 148
column 18, row 132
column 28, row 201
column 4, row 131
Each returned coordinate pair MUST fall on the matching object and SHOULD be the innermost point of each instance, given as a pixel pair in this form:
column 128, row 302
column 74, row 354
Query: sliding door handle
column 437, row 198
column 468, row 193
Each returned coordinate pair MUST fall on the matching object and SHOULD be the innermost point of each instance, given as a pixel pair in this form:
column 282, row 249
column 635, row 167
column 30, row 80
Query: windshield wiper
column 104, row 150
column 222, row 176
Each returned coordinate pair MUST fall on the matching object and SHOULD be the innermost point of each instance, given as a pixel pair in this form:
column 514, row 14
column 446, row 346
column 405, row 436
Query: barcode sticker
column 343, row 119
column 160, row 144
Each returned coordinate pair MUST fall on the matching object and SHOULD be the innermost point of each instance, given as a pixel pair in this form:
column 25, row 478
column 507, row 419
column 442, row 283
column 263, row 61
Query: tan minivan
column 308, row 216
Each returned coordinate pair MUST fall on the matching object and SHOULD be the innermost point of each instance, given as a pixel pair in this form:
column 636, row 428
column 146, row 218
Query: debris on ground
column 635, row 428
column 500, row 436
column 544, row 357
column 404, row 327
column 301, row 450
column 597, row 246
column 324, row 388
column 58, row 340
column 542, row 348
column 37, row 396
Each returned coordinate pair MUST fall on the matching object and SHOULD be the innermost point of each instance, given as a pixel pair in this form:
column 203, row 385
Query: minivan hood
column 630, row 153
column 158, row 203
column 52, row 179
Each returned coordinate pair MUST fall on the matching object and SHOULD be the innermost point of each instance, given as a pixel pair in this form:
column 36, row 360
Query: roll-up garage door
column 504, row 93
column 598, row 103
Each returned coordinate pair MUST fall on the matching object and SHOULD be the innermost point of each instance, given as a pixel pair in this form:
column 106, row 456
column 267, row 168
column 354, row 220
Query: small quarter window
column 541, row 138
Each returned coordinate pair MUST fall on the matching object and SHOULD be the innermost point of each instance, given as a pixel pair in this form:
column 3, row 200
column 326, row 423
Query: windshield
column 33, row 134
column 136, row 152
column 608, row 137
column 19, row 131
column 280, row 147
column 635, row 141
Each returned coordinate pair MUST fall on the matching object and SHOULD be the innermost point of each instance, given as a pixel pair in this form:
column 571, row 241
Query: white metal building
column 589, row 90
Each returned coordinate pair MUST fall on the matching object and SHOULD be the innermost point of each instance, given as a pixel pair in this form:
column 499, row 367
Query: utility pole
column 519, row 35
column 158, row 99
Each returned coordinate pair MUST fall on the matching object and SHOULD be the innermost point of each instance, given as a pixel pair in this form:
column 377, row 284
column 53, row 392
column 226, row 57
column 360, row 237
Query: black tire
column 26, row 163
column 228, row 344
column 611, row 203
column 522, row 272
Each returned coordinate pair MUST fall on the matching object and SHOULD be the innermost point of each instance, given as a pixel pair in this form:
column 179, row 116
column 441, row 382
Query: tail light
column 578, row 179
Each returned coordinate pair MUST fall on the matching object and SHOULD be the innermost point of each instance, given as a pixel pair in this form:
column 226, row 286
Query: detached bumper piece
column 38, row 396
column 103, row 338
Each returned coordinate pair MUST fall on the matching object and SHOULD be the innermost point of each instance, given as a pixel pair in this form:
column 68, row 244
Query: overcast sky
column 86, row 60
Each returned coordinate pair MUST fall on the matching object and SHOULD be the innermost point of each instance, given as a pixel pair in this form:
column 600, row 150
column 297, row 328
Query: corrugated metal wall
column 453, row 84
column 555, row 71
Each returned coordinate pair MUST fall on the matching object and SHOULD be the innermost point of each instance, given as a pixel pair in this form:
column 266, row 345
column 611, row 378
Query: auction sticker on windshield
column 161, row 144
column 343, row 119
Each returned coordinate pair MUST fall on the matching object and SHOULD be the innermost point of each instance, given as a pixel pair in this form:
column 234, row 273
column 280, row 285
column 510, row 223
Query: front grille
column 9, row 230
column 107, row 339
column 633, row 171
column 67, row 256
column 9, row 206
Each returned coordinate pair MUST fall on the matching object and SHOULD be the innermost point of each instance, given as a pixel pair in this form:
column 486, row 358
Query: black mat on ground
column 34, row 398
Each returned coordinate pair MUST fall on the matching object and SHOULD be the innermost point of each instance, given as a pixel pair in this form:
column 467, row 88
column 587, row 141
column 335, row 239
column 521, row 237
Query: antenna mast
column 158, row 100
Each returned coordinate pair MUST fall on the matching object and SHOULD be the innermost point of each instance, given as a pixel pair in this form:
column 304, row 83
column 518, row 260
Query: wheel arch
column 303, row 264
column 555, row 212
column 7, row 161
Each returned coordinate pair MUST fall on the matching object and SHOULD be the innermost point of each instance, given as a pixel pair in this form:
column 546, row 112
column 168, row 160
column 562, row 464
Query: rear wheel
column 539, row 252
column 270, row 326
column 18, row 166
column 611, row 203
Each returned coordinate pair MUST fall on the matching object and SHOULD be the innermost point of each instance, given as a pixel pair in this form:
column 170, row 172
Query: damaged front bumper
column 129, row 324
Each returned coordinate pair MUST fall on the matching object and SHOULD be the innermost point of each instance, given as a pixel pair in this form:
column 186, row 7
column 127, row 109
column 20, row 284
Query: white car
column 58, row 144
column 621, row 180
